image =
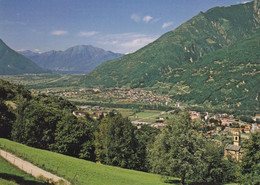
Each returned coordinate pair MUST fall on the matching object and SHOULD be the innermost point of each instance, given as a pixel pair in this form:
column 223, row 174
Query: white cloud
column 59, row 32
column 167, row 24
column 87, row 34
column 136, row 18
column 137, row 43
column 126, row 42
column 147, row 18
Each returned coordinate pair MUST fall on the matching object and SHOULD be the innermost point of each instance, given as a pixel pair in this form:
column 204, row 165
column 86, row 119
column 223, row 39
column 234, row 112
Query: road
column 29, row 167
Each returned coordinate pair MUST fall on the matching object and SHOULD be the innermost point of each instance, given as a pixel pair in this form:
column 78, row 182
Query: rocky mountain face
column 172, row 63
column 78, row 59
column 13, row 63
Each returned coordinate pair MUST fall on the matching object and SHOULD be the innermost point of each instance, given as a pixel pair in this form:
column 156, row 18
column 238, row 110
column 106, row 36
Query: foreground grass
column 10, row 175
column 80, row 171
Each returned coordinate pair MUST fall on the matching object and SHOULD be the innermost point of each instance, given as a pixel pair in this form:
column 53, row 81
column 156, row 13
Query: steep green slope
column 207, row 32
column 12, row 63
column 229, row 77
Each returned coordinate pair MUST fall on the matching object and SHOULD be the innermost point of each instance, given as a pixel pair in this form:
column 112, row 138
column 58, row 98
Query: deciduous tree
column 250, row 166
column 115, row 142
column 178, row 150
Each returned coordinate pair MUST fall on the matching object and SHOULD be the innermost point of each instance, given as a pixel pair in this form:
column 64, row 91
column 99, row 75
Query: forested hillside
column 165, row 64
column 228, row 77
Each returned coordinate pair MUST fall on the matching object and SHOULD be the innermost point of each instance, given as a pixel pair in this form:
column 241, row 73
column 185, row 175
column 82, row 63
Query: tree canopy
column 178, row 150
column 250, row 166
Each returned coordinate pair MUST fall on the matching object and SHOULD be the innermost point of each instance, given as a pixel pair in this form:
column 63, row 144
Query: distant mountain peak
column 77, row 59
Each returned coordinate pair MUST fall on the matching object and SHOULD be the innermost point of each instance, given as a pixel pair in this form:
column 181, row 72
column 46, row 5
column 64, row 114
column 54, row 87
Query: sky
column 122, row 26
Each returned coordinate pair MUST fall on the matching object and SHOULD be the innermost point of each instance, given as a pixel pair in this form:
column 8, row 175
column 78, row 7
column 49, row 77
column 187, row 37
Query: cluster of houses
column 95, row 112
column 224, row 123
column 134, row 95
column 115, row 94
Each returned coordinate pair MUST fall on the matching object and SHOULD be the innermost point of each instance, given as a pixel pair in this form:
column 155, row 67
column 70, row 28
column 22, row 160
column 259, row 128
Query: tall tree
column 73, row 137
column 178, row 150
column 40, row 124
column 6, row 120
column 101, row 140
column 250, row 166
column 145, row 136
column 18, row 129
column 115, row 142
column 218, row 169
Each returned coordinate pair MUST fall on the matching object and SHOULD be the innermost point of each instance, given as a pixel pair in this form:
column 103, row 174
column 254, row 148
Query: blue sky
column 116, row 25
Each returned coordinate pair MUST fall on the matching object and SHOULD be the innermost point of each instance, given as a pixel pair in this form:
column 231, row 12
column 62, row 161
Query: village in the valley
column 214, row 124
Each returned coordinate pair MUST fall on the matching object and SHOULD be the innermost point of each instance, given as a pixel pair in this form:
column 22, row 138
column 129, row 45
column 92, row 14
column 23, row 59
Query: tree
column 40, row 124
column 145, row 136
column 218, row 169
column 115, row 142
column 73, row 137
column 178, row 150
column 250, row 166
column 101, row 140
column 6, row 121
column 18, row 129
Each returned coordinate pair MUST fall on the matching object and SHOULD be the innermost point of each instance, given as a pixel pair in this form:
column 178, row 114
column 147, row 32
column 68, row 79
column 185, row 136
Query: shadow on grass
column 171, row 181
column 204, row 183
column 20, row 180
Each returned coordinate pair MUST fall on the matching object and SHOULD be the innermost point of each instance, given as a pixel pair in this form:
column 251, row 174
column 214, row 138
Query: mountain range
column 213, row 59
column 78, row 59
column 13, row 63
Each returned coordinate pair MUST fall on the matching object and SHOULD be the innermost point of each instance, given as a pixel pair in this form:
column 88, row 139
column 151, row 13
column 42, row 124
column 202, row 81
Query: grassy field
column 43, row 81
column 146, row 114
column 10, row 175
column 80, row 171
column 125, row 112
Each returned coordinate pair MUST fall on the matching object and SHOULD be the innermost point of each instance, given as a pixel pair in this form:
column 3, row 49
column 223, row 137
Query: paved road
column 29, row 167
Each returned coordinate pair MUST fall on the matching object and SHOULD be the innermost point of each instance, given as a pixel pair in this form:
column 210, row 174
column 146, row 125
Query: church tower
column 236, row 138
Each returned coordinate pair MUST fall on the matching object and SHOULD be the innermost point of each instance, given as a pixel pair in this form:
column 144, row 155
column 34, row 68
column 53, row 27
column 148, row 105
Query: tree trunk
column 183, row 179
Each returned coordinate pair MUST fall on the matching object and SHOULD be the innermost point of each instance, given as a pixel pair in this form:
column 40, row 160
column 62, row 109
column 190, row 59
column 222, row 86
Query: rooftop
column 233, row 147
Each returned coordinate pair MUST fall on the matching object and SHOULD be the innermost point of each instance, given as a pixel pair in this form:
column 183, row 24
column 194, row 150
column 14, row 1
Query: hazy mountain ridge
column 13, row 63
column 162, row 61
column 80, row 59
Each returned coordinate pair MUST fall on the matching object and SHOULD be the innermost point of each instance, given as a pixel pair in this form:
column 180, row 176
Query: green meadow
column 80, row 171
